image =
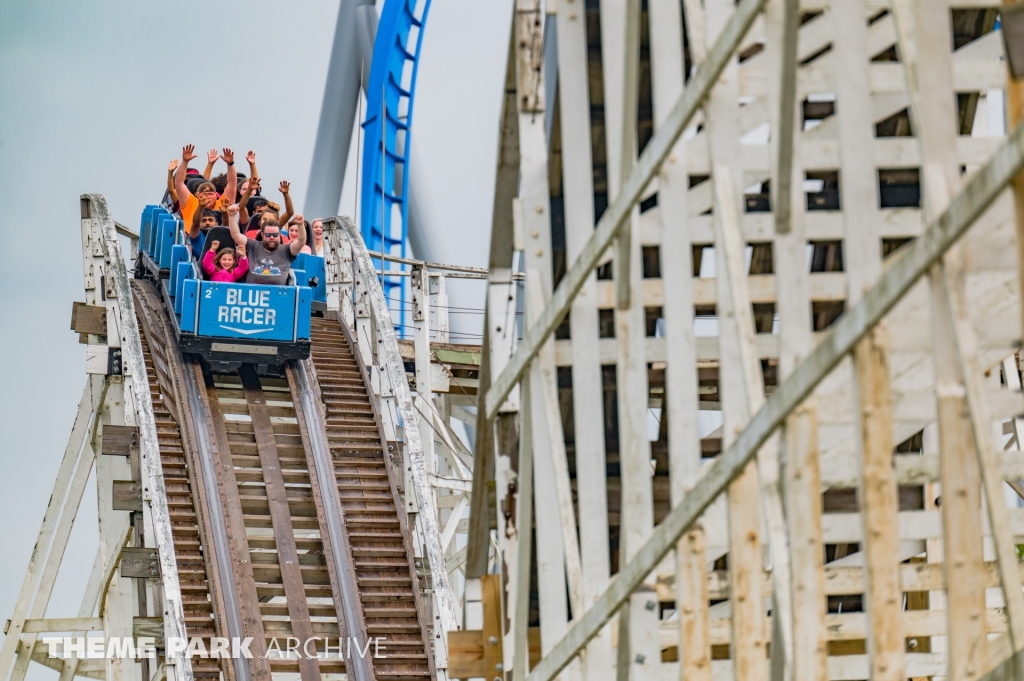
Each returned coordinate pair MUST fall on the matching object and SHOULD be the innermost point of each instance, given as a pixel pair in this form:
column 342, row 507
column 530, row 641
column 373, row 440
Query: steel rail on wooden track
column 189, row 413
column 271, row 494
column 319, row 455
column 272, row 462
column 373, row 305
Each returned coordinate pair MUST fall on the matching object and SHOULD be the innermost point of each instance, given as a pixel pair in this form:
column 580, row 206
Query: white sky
column 98, row 97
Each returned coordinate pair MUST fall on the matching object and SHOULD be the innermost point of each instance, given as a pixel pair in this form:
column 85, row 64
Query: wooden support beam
column 519, row 581
column 879, row 505
column 648, row 164
column 638, row 654
column 551, row 483
column 976, row 196
column 63, row 624
column 578, row 193
column 883, row 601
column 93, row 593
column 53, row 534
column 478, row 652
column 928, row 68
column 667, row 60
column 799, row 438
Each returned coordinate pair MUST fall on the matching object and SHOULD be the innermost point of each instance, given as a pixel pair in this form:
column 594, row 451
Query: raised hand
column 233, row 209
column 254, row 185
column 214, row 246
column 251, row 157
column 211, row 156
column 297, row 219
column 228, row 156
column 188, row 152
column 173, row 165
column 285, row 186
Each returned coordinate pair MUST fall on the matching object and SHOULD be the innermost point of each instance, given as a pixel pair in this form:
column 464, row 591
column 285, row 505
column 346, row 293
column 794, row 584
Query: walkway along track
column 281, row 550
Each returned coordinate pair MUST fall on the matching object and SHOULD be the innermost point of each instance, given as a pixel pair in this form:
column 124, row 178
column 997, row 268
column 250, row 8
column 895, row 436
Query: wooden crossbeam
column 655, row 153
column 63, row 624
column 977, row 195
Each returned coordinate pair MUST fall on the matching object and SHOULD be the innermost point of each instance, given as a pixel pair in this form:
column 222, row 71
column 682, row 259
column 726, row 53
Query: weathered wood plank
column 578, row 192
column 118, row 440
column 238, row 545
column 140, row 562
column 666, row 37
column 126, row 495
column 280, row 517
column 89, row 319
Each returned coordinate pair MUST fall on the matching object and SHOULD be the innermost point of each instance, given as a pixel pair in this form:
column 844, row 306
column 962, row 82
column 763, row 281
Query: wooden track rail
column 284, row 580
column 368, row 485
column 185, row 498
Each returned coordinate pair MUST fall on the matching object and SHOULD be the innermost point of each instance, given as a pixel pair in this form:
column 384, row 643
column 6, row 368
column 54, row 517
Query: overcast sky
column 98, row 97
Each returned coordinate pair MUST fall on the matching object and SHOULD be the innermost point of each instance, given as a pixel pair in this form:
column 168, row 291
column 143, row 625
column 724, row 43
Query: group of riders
column 234, row 232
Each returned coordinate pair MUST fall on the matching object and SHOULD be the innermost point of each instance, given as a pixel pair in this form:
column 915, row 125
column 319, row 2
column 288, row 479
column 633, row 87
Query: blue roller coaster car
column 229, row 323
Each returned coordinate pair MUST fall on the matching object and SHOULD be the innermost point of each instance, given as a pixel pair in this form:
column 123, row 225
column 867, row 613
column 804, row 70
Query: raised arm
column 236, row 234
column 181, row 191
column 298, row 224
column 251, row 158
column 231, row 190
column 289, row 211
column 250, row 189
column 211, row 160
column 171, row 167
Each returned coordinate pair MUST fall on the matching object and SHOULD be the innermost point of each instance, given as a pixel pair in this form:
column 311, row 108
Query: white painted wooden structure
column 767, row 394
column 118, row 398
column 830, row 478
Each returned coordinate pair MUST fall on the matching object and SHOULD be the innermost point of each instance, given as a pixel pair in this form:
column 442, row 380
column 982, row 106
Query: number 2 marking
column 208, row 292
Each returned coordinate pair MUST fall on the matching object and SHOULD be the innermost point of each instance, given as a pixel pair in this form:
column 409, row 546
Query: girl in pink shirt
column 221, row 264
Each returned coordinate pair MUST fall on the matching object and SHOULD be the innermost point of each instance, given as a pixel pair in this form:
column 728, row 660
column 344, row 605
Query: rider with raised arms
column 269, row 260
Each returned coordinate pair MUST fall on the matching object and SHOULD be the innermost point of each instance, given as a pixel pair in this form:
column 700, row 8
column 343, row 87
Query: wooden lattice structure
column 808, row 202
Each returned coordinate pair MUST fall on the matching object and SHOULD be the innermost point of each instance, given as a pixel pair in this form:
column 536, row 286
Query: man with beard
column 270, row 261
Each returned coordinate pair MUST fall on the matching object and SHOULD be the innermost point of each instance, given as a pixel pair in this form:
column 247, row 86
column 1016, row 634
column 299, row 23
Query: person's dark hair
column 270, row 223
column 254, row 203
column 205, row 186
column 220, row 183
column 194, row 182
column 215, row 214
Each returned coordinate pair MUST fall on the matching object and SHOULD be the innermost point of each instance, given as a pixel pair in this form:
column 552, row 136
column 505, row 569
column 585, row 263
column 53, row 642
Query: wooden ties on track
column 197, row 592
column 377, row 524
column 283, row 569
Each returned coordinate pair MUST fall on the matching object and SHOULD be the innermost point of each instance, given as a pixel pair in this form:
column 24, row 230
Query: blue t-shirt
column 197, row 245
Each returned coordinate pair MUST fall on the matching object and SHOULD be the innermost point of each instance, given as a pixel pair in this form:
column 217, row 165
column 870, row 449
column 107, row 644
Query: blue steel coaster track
column 391, row 93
